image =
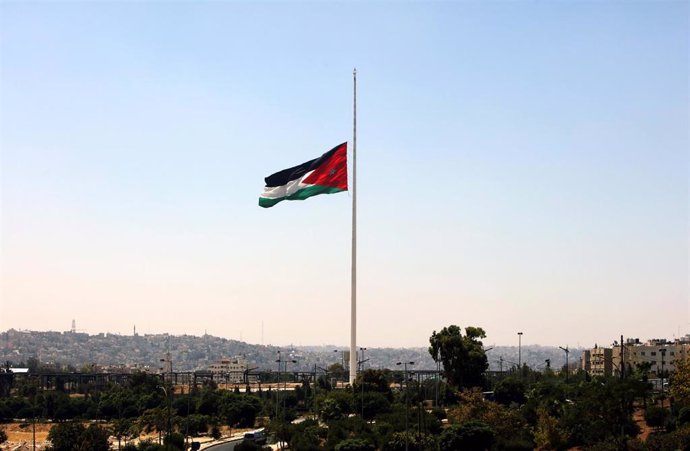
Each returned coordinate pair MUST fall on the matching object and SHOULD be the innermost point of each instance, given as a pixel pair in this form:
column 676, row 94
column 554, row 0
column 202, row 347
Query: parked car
column 258, row 437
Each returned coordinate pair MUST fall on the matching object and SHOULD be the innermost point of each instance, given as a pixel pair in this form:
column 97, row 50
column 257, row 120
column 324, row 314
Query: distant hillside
column 194, row 353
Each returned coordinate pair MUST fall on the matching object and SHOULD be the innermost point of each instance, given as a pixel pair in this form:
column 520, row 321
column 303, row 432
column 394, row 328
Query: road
column 229, row 446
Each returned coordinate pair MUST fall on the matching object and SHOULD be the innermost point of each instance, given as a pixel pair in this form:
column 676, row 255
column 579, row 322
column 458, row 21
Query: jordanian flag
column 324, row 175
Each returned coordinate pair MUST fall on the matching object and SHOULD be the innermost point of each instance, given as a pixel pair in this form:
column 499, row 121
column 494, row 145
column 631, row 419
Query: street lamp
column 315, row 407
column 520, row 352
column 567, row 367
column 342, row 361
column 342, row 357
column 278, row 384
column 407, row 408
column 167, row 395
column 438, row 380
column 361, row 362
column 663, row 354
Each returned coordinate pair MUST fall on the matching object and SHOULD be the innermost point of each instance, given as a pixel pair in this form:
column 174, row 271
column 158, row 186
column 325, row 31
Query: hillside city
column 117, row 353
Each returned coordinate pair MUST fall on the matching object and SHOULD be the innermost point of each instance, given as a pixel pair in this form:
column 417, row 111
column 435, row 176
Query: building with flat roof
column 231, row 370
column 654, row 355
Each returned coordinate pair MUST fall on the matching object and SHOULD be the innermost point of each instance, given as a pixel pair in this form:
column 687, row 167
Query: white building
column 231, row 370
column 655, row 355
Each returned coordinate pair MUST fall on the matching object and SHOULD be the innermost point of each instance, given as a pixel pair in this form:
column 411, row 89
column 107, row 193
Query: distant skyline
column 522, row 166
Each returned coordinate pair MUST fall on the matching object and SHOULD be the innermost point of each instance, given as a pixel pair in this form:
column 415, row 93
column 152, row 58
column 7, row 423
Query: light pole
column 171, row 388
column 279, row 361
column 342, row 360
column 362, row 361
column 314, row 406
column 407, row 408
column 663, row 354
column 285, row 383
column 167, row 396
column 520, row 353
column 438, row 380
column 567, row 367
column 361, row 379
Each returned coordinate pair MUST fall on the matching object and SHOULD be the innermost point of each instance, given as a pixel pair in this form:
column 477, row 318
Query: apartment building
column 656, row 355
column 230, row 370
column 601, row 362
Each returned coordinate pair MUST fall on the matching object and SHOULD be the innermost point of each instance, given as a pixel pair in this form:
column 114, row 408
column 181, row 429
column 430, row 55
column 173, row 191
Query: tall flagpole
column 353, row 287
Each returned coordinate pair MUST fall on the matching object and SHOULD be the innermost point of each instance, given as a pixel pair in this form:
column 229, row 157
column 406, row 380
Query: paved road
column 229, row 446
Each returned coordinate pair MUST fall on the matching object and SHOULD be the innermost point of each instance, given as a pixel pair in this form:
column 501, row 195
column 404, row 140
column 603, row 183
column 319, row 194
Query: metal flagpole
column 353, row 287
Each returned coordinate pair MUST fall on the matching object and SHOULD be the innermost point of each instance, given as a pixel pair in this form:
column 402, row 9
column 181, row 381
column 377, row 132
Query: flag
column 324, row 175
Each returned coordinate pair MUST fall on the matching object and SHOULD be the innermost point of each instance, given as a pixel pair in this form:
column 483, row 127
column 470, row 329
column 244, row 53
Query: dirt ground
column 20, row 436
column 22, row 433
column 638, row 417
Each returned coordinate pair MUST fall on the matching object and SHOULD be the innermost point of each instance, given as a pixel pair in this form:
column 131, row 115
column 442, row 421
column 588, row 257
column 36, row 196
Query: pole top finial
column 354, row 71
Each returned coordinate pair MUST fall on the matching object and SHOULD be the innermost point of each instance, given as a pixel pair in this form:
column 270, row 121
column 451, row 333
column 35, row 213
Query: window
column 653, row 352
column 642, row 353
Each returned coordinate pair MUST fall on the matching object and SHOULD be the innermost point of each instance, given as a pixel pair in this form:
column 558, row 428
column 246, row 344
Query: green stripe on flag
column 300, row 195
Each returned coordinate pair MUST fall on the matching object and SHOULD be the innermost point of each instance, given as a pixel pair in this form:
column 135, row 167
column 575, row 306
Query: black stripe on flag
column 282, row 177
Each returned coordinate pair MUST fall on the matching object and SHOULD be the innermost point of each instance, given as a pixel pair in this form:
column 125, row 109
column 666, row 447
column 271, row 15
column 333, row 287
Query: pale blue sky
column 523, row 166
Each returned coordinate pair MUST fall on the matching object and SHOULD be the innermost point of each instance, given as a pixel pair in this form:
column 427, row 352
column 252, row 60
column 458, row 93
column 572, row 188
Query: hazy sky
column 522, row 166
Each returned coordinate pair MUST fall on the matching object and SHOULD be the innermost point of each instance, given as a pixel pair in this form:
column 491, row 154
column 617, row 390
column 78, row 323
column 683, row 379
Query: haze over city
column 522, row 166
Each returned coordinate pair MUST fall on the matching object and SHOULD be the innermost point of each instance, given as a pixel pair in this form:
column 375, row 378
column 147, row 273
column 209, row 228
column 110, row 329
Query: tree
column 154, row 419
column 121, row 428
column 330, row 410
column 354, row 444
column 239, row 410
column 472, row 435
column 401, row 441
column 680, row 381
column 76, row 437
column 655, row 416
column 337, row 370
column 463, row 357
column 174, row 442
column 306, row 439
column 510, row 390
column 549, row 434
column 509, row 426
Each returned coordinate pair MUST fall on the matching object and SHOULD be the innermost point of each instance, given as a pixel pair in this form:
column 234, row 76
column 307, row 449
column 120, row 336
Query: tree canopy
column 462, row 356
